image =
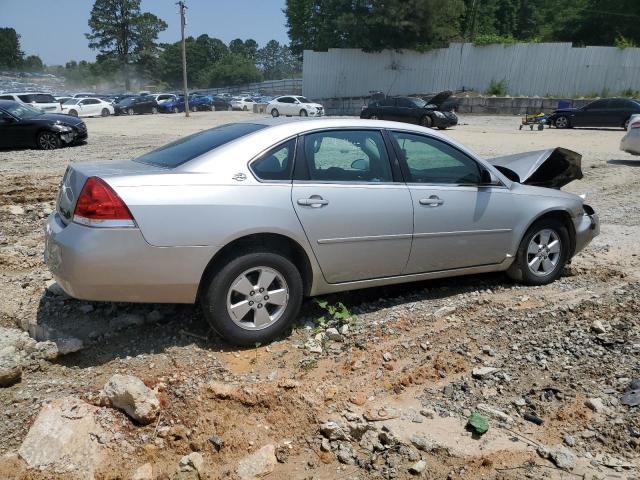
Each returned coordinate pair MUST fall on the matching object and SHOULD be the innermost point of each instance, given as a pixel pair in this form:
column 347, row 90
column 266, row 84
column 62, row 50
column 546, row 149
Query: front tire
column 154, row 110
column 625, row 125
column 244, row 109
column 562, row 122
column 253, row 298
column 175, row 110
column 193, row 108
column 130, row 111
column 303, row 113
column 73, row 113
column 48, row 141
column 542, row 254
column 426, row 121
column 275, row 113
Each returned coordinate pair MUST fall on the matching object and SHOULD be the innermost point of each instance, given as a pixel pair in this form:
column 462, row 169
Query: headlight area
column 67, row 134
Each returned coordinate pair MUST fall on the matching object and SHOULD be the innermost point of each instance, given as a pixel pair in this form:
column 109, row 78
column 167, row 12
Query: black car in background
column 607, row 112
column 25, row 126
column 132, row 105
column 412, row 110
column 222, row 103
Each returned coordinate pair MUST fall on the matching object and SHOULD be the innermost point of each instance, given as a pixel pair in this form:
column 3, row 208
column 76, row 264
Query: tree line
column 374, row 25
column 126, row 39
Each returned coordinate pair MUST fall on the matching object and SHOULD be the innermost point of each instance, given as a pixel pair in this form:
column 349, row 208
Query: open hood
column 552, row 168
column 439, row 99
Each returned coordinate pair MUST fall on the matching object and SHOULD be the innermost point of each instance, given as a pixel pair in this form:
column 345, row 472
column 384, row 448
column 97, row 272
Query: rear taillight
column 100, row 206
column 636, row 124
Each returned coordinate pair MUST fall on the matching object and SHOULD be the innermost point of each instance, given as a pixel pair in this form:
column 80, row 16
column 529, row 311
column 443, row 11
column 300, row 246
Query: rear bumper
column 587, row 228
column 117, row 264
column 630, row 143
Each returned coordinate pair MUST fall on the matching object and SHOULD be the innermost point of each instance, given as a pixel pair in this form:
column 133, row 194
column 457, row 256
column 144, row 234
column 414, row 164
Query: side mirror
column 360, row 164
column 488, row 179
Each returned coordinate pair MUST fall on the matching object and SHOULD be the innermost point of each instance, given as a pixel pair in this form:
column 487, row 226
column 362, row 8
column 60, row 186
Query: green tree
column 233, row 69
column 10, row 53
column 32, row 63
column 277, row 61
column 120, row 30
column 373, row 25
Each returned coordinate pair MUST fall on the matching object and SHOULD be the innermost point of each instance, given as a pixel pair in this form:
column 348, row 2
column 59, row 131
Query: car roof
column 26, row 93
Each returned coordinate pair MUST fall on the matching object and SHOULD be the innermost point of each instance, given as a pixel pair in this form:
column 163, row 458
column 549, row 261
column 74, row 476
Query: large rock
column 10, row 368
column 258, row 464
column 63, row 439
column 131, row 395
column 143, row 472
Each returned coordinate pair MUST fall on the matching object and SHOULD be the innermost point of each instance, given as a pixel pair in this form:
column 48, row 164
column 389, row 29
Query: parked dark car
column 607, row 112
column 25, row 126
column 222, row 103
column 412, row 110
column 142, row 104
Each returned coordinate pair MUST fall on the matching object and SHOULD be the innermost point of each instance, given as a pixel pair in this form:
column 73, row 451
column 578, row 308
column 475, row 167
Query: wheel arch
column 562, row 216
column 274, row 242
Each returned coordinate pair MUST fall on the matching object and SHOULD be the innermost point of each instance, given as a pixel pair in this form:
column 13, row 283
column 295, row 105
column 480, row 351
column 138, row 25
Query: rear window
column 37, row 98
column 188, row 148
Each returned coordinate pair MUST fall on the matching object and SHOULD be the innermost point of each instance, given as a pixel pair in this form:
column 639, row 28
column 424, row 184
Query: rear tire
column 175, row 110
column 542, row 254
column 130, row 111
column 193, row 108
column 373, row 117
column 625, row 125
column 73, row 113
column 105, row 112
column 275, row 113
column 229, row 108
column 154, row 110
column 237, row 316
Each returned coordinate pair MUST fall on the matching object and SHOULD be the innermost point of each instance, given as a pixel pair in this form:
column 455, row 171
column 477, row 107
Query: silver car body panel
column 366, row 235
column 630, row 143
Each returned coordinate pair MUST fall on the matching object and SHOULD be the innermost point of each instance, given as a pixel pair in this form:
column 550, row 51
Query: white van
column 44, row 101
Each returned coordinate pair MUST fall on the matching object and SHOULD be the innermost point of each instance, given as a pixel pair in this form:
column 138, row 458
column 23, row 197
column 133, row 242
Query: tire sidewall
column 520, row 264
column 426, row 121
column 555, row 122
column 58, row 143
column 213, row 298
column 275, row 113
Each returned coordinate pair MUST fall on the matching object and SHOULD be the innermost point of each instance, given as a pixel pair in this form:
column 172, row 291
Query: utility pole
column 183, row 22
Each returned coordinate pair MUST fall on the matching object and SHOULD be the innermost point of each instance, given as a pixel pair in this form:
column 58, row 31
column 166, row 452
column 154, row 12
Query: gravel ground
column 384, row 394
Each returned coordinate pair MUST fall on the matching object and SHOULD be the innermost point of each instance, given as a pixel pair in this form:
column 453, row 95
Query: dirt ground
column 401, row 367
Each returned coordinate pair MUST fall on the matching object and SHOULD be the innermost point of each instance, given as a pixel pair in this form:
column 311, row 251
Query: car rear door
column 458, row 223
column 621, row 111
column 592, row 115
column 352, row 204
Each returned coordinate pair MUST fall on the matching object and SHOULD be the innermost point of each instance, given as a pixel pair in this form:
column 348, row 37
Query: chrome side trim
column 326, row 241
column 461, row 232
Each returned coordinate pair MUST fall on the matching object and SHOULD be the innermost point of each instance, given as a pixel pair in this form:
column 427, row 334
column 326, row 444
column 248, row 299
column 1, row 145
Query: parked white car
column 294, row 105
column 164, row 97
column 242, row 103
column 631, row 141
column 87, row 107
column 43, row 101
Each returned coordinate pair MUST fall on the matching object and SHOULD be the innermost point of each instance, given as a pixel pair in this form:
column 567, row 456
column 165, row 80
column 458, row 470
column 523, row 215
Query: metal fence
column 287, row 86
column 527, row 69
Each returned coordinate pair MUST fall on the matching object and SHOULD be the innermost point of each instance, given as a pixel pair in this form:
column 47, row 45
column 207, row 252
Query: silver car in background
column 247, row 218
column 630, row 143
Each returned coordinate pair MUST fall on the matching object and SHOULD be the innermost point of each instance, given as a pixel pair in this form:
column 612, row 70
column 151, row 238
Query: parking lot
column 409, row 348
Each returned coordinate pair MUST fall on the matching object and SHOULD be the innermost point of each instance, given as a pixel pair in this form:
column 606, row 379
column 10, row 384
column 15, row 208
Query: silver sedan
column 248, row 218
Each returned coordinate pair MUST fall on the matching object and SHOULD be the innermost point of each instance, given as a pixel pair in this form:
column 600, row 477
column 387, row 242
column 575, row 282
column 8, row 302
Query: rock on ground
column 63, row 438
column 144, row 472
column 258, row 464
column 10, row 369
column 131, row 395
column 563, row 458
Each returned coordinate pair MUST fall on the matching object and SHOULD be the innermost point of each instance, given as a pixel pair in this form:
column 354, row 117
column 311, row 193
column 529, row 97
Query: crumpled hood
column 552, row 168
column 439, row 99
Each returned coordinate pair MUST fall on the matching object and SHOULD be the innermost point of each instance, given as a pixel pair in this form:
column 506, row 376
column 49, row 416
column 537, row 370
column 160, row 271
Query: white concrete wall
column 544, row 69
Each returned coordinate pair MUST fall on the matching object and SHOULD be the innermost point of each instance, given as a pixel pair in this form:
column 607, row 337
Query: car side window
column 6, row 97
column 277, row 163
column 434, row 162
column 597, row 105
column 387, row 102
column 403, row 102
column 347, row 156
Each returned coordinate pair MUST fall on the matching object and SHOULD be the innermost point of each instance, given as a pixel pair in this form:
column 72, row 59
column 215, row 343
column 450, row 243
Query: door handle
column 432, row 201
column 313, row 201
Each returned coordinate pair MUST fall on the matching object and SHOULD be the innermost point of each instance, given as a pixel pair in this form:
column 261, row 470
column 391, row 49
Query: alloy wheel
column 257, row 298
column 562, row 122
column 544, row 252
column 48, row 141
column 373, row 117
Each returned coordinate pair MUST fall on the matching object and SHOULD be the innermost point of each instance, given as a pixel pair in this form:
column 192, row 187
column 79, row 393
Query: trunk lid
column 77, row 174
column 552, row 168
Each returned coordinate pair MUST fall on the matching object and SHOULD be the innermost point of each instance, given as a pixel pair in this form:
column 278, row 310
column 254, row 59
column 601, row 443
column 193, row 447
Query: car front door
column 592, row 115
column 285, row 105
column 406, row 111
column 354, row 208
column 458, row 222
column 87, row 107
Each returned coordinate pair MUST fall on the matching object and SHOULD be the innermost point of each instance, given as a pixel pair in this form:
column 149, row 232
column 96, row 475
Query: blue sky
column 54, row 29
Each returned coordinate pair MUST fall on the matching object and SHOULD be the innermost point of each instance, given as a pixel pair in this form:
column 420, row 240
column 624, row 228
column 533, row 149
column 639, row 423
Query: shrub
column 623, row 42
column 497, row 88
column 493, row 39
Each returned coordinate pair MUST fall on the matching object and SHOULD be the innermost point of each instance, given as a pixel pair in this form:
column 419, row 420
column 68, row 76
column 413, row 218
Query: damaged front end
column 552, row 168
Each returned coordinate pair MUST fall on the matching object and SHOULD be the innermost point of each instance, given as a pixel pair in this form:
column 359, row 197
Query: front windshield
column 303, row 99
column 71, row 101
column 21, row 110
column 418, row 102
